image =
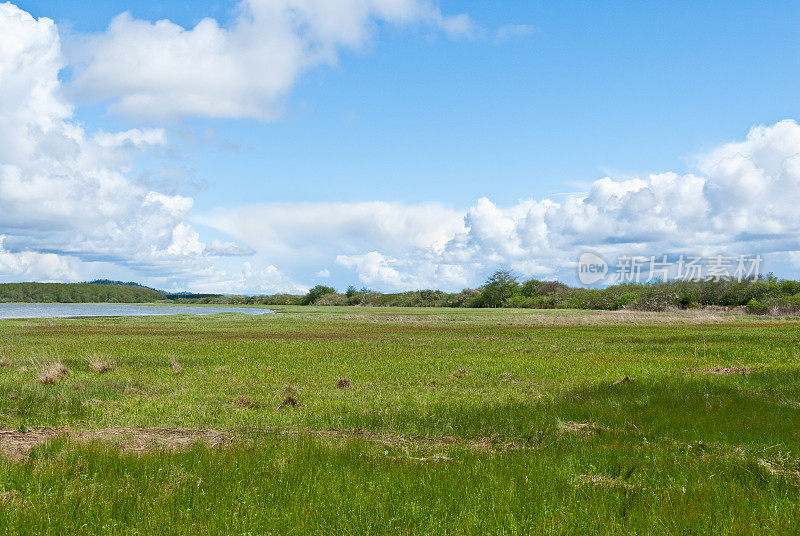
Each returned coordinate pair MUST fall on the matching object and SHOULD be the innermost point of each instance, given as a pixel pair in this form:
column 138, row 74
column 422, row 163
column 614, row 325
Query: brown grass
column 4, row 363
column 100, row 365
column 290, row 397
column 460, row 373
column 604, row 481
column 579, row 428
column 16, row 445
column 7, row 497
column 343, row 383
column 53, row 373
column 722, row 370
column 246, row 403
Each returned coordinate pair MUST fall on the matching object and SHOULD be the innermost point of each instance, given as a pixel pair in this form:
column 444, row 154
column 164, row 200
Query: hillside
column 77, row 293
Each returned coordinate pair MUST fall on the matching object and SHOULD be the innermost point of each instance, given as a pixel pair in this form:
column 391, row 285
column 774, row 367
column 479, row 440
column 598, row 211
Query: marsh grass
column 100, row 365
column 469, row 422
column 313, row 486
column 52, row 373
column 174, row 365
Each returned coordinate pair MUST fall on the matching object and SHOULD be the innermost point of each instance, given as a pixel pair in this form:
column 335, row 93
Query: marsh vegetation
column 412, row 420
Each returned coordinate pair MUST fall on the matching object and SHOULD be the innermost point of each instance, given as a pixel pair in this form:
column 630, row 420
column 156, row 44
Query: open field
column 384, row 421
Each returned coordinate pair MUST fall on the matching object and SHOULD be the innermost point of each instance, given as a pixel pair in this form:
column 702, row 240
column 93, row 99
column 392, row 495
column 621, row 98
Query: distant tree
column 316, row 293
column 531, row 288
column 550, row 287
column 498, row 288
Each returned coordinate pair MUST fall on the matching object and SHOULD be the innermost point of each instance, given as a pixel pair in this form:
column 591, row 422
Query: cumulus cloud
column 162, row 70
column 742, row 199
column 313, row 234
column 65, row 197
column 39, row 266
column 260, row 280
column 373, row 268
column 68, row 205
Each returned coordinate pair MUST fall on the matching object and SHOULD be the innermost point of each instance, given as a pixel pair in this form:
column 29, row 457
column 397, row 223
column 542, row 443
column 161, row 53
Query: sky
column 271, row 145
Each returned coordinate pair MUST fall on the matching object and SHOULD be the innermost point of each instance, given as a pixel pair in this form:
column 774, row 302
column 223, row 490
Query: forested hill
column 78, row 293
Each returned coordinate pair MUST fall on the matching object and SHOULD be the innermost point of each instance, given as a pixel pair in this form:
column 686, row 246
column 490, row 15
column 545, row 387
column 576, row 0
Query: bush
column 316, row 293
column 525, row 302
column 531, row 288
column 331, row 298
column 756, row 307
column 624, row 300
column 498, row 288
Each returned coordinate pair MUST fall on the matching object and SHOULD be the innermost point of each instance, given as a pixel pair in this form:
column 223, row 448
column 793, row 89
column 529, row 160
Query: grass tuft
column 246, row 403
column 53, row 373
column 290, row 397
column 343, row 383
column 100, row 365
column 176, row 367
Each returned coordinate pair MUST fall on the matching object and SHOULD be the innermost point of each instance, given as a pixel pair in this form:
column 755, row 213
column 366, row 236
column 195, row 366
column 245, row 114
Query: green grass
column 671, row 451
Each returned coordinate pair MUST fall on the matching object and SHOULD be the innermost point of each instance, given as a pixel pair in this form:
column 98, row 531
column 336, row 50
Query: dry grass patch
column 722, row 370
column 53, row 373
column 9, row 497
column 604, row 481
column 782, row 465
column 460, row 373
column 4, row 363
column 343, row 383
column 578, row 428
column 16, row 445
column 290, row 397
column 100, row 365
column 244, row 402
column 176, row 367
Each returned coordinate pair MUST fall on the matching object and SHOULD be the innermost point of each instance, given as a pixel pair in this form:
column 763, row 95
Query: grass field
column 411, row 421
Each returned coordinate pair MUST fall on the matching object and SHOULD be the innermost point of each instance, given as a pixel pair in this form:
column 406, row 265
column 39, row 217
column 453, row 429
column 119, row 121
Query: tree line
column 100, row 292
column 765, row 295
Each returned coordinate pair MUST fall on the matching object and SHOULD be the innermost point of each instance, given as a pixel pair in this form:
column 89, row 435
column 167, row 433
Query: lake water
column 65, row 310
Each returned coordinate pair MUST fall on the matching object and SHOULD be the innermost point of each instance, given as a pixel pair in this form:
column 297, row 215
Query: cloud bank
column 743, row 199
column 161, row 70
column 67, row 206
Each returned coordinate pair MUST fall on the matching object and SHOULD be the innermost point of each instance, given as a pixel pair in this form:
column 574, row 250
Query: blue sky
column 414, row 115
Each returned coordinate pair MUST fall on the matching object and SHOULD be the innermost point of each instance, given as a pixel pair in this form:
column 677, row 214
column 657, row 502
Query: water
column 65, row 310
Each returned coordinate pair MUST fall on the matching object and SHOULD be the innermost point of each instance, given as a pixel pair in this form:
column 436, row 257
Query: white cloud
column 268, row 279
column 324, row 273
column 162, row 70
column 218, row 248
column 30, row 265
column 134, row 138
column 65, row 198
column 373, row 268
column 743, row 199
column 68, row 206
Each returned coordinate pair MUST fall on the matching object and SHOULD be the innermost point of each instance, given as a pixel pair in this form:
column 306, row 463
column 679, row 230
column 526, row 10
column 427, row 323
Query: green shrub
column 316, row 293
column 756, row 307
column 331, row 298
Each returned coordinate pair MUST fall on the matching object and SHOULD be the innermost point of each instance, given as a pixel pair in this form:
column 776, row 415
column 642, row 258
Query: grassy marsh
column 451, row 421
